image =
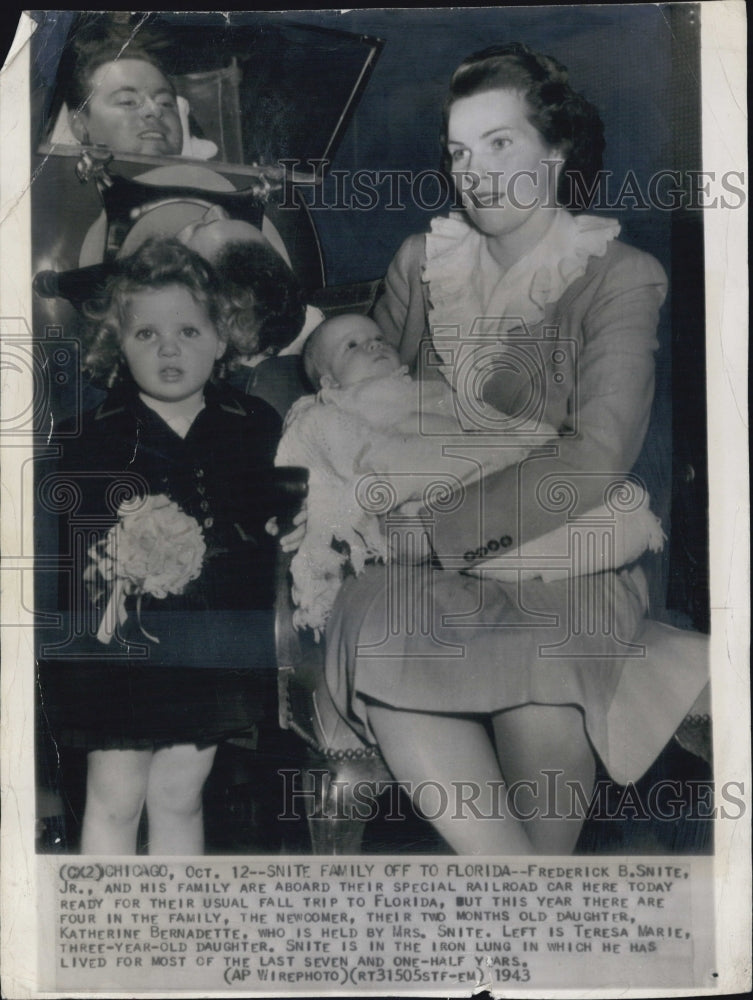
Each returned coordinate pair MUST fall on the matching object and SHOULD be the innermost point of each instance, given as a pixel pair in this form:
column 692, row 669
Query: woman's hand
column 291, row 541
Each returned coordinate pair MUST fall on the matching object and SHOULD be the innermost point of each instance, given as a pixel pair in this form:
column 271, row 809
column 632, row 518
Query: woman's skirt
column 444, row 642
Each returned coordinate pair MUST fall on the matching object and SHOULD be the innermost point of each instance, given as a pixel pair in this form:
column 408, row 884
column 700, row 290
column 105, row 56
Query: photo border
column 724, row 142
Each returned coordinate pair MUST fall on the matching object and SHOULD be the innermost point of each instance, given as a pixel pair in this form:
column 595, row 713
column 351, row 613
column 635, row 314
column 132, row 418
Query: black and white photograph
column 375, row 502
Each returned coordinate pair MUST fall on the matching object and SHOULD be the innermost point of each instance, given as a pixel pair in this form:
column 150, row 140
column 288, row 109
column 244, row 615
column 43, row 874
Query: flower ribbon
column 116, row 614
column 154, row 548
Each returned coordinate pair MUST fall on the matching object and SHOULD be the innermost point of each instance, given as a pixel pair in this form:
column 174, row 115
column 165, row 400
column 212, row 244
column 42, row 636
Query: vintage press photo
column 375, row 502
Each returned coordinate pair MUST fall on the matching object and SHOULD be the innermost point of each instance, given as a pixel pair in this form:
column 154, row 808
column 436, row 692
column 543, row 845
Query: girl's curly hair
column 158, row 263
column 562, row 117
column 262, row 303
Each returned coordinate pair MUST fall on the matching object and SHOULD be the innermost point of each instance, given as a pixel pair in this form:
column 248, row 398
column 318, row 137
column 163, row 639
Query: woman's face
column 133, row 109
column 209, row 236
column 504, row 171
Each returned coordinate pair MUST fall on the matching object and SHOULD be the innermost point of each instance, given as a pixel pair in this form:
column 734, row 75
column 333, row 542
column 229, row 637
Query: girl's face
column 498, row 163
column 169, row 343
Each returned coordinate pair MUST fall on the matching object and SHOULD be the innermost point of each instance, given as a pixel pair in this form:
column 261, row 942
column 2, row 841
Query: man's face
column 132, row 109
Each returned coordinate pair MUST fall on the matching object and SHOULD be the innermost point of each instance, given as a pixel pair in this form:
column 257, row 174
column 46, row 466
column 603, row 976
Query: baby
column 346, row 350
column 375, row 440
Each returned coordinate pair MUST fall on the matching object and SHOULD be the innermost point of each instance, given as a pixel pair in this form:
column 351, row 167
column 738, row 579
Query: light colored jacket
column 598, row 390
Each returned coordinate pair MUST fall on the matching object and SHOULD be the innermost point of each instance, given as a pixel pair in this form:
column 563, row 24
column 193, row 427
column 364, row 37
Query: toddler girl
column 171, row 597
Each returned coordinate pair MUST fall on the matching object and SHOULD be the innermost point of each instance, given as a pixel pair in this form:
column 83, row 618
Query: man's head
column 345, row 350
column 124, row 102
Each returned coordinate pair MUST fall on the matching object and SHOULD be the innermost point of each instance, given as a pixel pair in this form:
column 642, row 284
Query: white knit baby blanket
column 389, row 442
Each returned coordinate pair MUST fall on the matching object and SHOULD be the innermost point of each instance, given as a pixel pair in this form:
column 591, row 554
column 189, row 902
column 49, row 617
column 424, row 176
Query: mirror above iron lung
column 235, row 94
column 256, row 92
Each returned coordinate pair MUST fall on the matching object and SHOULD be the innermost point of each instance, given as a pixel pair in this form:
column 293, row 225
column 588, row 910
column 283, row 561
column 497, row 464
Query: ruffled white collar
column 467, row 293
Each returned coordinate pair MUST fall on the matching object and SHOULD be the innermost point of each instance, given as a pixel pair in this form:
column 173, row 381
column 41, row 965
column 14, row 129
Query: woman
column 504, row 694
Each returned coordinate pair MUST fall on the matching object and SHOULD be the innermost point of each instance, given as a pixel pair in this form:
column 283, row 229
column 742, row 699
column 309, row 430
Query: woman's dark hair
column 562, row 117
column 263, row 304
column 99, row 40
column 158, row 263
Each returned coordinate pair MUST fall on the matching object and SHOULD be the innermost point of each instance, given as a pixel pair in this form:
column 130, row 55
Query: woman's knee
column 550, row 736
column 543, row 723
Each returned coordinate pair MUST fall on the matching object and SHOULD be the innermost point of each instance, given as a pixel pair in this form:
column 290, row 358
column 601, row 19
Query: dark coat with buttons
column 220, row 474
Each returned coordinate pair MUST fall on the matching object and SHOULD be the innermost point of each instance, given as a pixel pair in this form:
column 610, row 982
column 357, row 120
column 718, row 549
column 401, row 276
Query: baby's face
column 353, row 350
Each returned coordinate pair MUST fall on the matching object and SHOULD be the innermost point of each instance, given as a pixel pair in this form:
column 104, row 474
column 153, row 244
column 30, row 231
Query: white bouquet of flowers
column 155, row 548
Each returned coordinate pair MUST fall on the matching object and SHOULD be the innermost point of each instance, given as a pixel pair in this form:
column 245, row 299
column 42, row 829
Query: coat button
column 505, row 541
column 204, row 505
column 201, row 490
column 199, row 473
column 208, row 522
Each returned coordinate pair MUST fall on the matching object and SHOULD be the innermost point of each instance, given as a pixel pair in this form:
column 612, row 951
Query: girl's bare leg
column 531, row 741
column 116, row 782
column 173, row 799
column 465, row 797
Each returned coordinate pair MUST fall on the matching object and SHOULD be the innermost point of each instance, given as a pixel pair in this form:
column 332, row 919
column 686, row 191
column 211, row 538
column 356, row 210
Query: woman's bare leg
column 547, row 746
column 116, row 782
column 465, row 797
column 173, row 799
